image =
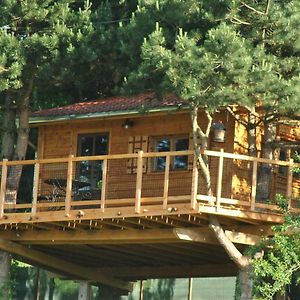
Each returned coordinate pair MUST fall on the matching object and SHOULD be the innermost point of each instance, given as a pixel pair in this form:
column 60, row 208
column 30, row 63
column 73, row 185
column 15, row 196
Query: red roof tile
column 142, row 101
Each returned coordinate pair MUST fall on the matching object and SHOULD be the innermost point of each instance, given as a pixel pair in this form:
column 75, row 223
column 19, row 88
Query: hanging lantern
column 219, row 132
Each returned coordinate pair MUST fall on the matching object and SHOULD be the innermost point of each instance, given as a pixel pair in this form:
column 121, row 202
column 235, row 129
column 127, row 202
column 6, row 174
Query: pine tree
column 246, row 53
column 33, row 35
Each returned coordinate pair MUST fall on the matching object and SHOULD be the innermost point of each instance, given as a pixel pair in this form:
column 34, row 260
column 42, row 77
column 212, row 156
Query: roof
column 113, row 106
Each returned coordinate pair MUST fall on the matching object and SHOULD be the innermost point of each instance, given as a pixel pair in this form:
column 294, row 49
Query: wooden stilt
column 84, row 292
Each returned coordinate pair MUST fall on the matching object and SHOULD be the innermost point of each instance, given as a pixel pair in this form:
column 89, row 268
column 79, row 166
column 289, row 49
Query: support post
column 166, row 182
column 103, row 187
column 289, row 188
column 254, row 185
column 190, row 295
column 3, row 187
column 84, row 292
column 35, row 188
column 220, row 178
column 194, row 184
column 141, row 289
column 139, row 178
column 69, row 185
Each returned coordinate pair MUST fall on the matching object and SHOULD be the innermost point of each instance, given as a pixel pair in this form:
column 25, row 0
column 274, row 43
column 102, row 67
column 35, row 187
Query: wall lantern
column 219, row 132
column 127, row 124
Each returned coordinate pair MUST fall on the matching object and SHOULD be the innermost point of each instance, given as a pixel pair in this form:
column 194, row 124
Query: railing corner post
column 3, row 186
column 69, row 185
column 139, row 178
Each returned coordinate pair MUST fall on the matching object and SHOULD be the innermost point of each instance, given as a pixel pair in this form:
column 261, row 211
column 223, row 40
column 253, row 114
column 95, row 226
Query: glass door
column 91, row 171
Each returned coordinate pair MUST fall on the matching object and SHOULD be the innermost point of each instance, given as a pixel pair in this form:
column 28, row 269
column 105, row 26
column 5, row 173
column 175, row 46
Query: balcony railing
column 127, row 185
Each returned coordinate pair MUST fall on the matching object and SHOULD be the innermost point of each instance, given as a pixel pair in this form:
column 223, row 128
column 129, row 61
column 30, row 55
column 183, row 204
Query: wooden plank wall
column 60, row 140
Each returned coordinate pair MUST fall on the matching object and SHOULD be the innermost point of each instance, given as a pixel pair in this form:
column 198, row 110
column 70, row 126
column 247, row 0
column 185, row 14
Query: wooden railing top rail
column 151, row 155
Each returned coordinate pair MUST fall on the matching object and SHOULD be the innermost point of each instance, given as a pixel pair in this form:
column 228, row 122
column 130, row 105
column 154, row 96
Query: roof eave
column 50, row 119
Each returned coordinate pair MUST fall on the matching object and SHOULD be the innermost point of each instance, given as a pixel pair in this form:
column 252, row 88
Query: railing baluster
column 103, row 187
column 3, row 187
column 69, row 185
column 35, row 188
column 289, row 188
column 194, row 184
column 166, row 182
column 254, row 183
column 139, row 177
column 220, row 178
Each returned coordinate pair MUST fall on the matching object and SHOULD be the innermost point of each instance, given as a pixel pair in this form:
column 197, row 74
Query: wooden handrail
column 137, row 200
column 149, row 155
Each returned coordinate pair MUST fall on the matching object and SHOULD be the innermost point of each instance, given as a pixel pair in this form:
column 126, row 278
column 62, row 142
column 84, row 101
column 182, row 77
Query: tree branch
column 253, row 9
column 241, row 260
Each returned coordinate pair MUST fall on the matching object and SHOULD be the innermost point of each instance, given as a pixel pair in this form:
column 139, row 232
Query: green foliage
column 218, row 53
column 281, row 261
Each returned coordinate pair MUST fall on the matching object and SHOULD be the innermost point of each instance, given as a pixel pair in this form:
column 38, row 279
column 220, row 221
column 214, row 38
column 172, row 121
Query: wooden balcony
column 143, row 192
column 139, row 223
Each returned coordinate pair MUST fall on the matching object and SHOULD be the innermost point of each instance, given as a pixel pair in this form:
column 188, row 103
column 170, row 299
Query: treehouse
column 114, row 195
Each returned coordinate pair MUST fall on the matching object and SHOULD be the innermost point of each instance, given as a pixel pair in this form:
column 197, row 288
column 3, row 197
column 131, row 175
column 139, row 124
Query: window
column 171, row 143
column 89, row 145
column 286, row 154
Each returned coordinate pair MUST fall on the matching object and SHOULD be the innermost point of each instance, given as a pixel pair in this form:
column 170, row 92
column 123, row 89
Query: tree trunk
column 243, row 262
column 251, row 135
column 84, row 292
column 5, row 261
column 244, row 284
column 37, row 283
column 265, row 170
column 51, row 288
column 15, row 172
column 8, row 127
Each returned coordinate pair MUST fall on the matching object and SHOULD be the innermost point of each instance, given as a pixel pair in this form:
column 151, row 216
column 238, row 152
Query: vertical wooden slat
column 69, row 185
column 289, row 187
column 103, row 187
column 254, row 185
column 220, row 178
column 139, row 177
column 35, row 187
column 166, row 182
column 194, row 184
column 3, row 187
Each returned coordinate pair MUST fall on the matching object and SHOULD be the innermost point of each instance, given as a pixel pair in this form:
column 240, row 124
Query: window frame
column 94, row 164
column 287, row 154
column 172, row 138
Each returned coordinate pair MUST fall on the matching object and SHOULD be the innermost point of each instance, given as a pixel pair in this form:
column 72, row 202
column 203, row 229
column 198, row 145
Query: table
column 60, row 185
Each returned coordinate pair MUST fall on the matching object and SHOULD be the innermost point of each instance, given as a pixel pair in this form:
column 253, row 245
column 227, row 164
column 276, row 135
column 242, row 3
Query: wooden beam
column 63, row 266
column 194, row 235
column 131, row 236
column 181, row 271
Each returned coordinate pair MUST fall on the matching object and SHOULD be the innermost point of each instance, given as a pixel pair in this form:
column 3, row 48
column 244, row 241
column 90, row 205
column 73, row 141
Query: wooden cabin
column 114, row 194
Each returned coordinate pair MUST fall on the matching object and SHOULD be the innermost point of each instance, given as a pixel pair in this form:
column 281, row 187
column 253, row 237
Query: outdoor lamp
column 219, row 132
column 128, row 124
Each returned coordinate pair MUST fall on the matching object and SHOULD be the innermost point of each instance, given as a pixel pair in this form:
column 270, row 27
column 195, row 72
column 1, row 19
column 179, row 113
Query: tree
column 33, row 34
column 279, row 266
column 242, row 58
